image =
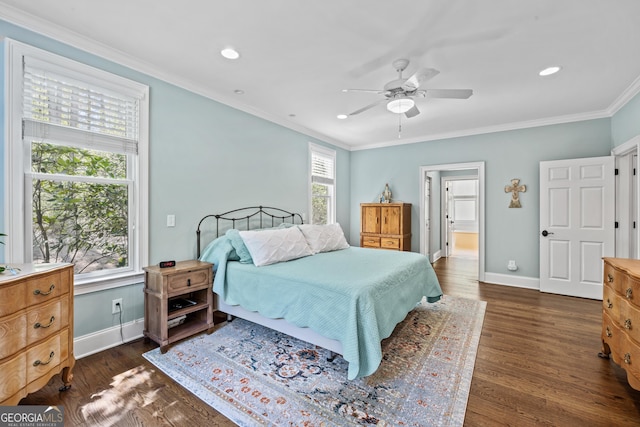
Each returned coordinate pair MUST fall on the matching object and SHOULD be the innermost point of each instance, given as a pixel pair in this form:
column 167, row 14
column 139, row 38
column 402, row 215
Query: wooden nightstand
column 178, row 301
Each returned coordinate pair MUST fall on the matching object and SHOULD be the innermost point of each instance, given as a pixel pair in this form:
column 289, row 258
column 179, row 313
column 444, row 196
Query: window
column 79, row 143
column 464, row 198
column 322, row 184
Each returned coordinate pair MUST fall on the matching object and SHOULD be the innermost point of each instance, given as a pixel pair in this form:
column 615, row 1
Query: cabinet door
column 390, row 220
column 371, row 219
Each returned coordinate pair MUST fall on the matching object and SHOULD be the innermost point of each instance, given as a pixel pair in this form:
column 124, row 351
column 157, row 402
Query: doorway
column 432, row 209
column 460, row 215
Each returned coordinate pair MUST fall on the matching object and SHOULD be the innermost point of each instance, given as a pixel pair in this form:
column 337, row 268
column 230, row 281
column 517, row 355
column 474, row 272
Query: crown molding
column 625, row 97
column 492, row 129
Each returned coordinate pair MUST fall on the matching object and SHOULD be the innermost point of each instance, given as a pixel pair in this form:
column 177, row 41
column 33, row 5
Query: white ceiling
column 297, row 56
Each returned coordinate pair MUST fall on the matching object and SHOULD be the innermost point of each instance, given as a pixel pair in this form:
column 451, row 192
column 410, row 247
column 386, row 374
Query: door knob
column 545, row 233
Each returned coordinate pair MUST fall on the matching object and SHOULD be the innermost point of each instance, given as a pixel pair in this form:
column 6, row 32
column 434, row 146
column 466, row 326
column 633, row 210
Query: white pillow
column 277, row 245
column 324, row 238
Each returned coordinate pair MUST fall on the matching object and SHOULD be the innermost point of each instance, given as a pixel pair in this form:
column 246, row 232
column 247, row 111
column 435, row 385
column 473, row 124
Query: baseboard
column 107, row 338
column 511, row 280
column 436, row 256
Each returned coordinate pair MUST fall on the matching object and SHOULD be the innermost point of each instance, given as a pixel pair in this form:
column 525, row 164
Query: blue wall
column 625, row 124
column 509, row 233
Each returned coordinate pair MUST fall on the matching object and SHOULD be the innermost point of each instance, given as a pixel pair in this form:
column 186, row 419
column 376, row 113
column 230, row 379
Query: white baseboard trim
column 436, row 256
column 510, row 280
column 101, row 340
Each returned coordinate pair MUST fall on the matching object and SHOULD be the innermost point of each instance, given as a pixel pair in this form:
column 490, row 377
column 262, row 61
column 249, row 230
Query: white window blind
column 322, row 168
column 61, row 109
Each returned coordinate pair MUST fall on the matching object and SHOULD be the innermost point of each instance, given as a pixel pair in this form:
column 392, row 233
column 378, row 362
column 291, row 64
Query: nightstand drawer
column 389, row 243
column 190, row 279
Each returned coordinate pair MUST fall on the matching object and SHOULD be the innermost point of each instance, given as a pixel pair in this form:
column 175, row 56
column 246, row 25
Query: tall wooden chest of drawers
column 385, row 226
column 621, row 316
column 36, row 329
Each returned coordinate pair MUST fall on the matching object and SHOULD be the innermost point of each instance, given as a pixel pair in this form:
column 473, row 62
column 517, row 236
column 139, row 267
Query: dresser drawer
column 629, row 354
column 611, row 303
column 12, row 298
column 389, row 243
column 14, row 376
column 631, row 290
column 629, row 320
column 45, row 320
column 615, row 279
column 46, row 288
column 13, row 335
column 371, row 242
column 610, row 332
column 44, row 357
column 183, row 281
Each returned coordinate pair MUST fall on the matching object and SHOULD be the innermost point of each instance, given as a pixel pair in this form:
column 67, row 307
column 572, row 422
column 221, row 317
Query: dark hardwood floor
column 537, row 365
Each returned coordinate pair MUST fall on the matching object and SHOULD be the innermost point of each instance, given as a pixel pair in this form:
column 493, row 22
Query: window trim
column 327, row 152
column 17, row 164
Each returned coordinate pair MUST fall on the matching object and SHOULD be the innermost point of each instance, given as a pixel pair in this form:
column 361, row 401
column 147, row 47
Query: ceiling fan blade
column 365, row 108
column 365, row 90
column 449, row 93
column 412, row 112
column 422, row 75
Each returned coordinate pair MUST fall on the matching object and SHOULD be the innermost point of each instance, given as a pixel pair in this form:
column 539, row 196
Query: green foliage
column 319, row 204
column 85, row 223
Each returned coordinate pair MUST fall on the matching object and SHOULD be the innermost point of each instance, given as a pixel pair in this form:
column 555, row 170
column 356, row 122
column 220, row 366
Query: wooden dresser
column 621, row 316
column 385, row 226
column 36, row 329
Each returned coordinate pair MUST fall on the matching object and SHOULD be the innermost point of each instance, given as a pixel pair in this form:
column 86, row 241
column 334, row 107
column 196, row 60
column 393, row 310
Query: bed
column 344, row 299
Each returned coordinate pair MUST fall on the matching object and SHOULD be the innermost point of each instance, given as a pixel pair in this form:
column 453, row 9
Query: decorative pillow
column 239, row 246
column 324, row 238
column 276, row 245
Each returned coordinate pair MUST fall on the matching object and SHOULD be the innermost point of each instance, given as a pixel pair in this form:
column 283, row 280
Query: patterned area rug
column 256, row 376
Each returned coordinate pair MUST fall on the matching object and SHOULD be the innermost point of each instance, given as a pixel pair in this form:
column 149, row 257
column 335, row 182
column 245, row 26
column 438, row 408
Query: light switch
column 171, row 220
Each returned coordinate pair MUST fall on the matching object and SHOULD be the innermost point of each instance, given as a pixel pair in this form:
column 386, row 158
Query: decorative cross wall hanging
column 515, row 188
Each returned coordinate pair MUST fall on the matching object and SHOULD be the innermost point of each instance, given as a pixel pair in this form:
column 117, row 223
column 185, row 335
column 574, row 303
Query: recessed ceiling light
column 548, row 71
column 238, row 92
column 292, row 115
column 230, row 53
column 342, row 116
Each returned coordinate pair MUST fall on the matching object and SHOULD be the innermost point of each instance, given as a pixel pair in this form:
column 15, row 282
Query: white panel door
column 577, row 206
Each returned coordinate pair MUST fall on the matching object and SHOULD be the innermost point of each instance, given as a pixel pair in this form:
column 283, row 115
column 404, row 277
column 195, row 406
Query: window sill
column 87, row 286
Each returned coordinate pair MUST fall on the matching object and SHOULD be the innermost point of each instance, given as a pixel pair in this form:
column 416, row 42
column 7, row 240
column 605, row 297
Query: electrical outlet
column 116, row 306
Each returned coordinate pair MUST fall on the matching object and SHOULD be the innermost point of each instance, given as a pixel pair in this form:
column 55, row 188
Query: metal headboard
column 263, row 216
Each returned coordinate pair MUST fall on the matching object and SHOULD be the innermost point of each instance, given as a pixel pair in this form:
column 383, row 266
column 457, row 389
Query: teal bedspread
column 356, row 296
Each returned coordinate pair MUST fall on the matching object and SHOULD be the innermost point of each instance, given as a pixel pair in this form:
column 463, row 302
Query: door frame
column 445, row 201
column 479, row 167
column 630, row 146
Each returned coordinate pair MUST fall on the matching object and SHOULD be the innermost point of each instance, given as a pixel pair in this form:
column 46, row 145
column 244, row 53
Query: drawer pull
column 188, row 282
column 40, row 325
column 39, row 292
column 629, row 293
column 627, row 324
column 608, row 333
column 627, row 358
column 609, row 277
column 609, row 303
column 39, row 363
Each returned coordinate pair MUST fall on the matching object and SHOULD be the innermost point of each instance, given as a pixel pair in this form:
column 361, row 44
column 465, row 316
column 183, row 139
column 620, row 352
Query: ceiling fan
column 399, row 94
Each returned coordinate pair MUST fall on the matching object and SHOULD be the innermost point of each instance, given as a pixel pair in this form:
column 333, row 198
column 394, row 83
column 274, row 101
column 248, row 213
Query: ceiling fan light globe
column 400, row 105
